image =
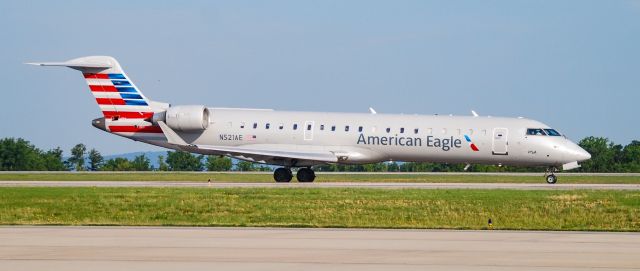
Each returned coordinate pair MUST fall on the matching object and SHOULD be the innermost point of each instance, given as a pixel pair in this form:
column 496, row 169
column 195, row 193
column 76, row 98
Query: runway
column 516, row 186
column 157, row 248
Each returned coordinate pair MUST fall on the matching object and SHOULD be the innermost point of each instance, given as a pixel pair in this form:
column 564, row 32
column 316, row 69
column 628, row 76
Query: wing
column 278, row 154
column 261, row 153
column 270, row 155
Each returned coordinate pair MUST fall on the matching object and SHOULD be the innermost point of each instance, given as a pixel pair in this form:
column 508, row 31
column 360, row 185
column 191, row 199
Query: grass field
column 329, row 207
column 346, row 177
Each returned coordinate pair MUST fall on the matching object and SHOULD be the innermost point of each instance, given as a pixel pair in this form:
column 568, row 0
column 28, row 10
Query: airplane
column 305, row 139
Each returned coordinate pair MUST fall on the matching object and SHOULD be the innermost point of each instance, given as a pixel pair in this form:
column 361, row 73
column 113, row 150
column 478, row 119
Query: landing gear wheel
column 305, row 175
column 551, row 179
column 282, row 175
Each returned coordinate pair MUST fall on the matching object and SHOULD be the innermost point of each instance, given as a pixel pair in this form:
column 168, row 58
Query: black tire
column 305, row 175
column 551, row 179
column 282, row 175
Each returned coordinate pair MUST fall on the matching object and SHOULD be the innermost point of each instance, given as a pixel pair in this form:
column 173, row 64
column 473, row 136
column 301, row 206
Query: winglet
column 171, row 135
column 474, row 113
column 372, row 111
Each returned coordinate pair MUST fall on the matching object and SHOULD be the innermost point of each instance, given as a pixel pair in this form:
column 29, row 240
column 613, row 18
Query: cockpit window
column 536, row 131
column 552, row 132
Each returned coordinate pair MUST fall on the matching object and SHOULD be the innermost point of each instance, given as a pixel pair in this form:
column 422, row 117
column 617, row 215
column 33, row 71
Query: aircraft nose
column 577, row 153
column 583, row 155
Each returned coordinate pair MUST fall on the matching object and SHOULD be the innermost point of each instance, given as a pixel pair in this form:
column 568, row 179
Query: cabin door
column 500, row 141
column 308, row 130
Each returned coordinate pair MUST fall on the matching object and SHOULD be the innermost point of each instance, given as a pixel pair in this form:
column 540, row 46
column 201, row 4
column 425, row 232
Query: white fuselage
column 369, row 138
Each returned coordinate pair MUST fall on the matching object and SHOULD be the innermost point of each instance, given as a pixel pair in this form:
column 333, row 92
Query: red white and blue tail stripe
column 126, row 110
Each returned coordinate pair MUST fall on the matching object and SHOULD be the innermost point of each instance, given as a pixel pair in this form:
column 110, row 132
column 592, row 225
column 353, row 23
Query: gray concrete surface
column 144, row 248
column 518, row 186
column 537, row 174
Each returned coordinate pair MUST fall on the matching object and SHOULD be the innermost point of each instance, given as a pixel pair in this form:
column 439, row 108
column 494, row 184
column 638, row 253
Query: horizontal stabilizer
column 73, row 64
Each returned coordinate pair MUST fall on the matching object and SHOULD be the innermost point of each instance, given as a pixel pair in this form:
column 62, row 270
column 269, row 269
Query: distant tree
column 117, row 164
column 95, row 160
column 263, row 168
column 162, row 165
column 19, row 154
column 376, row 167
column 53, row 160
column 605, row 155
column 326, row 168
column 218, row 163
column 245, row 166
column 76, row 161
column 393, row 167
column 631, row 156
column 184, row 161
column 141, row 163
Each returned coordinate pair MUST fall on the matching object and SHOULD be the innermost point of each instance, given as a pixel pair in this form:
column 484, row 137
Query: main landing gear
column 284, row 175
column 549, row 176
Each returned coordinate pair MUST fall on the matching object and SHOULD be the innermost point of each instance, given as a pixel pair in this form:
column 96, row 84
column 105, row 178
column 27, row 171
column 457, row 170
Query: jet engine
column 185, row 117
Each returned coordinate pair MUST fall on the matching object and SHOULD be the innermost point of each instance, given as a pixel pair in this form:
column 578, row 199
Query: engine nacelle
column 186, row 117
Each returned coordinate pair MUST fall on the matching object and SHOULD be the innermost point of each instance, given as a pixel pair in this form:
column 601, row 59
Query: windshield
column 552, row 132
column 536, row 131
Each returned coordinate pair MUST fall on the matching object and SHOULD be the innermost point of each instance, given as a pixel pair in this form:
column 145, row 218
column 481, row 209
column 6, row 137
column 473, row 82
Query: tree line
column 20, row 155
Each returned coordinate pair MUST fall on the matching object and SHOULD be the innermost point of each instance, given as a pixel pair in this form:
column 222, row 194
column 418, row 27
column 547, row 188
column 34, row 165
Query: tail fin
column 115, row 93
column 126, row 110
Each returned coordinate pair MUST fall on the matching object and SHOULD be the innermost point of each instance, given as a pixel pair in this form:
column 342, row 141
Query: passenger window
column 536, row 131
column 388, row 130
column 552, row 132
column 295, row 126
column 459, row 131
column 321, row 127
column 484, row 131
column 346, row 128
column 333, row 128
column 266, row 126
column 444, row 131
column 280, row 126
column 242, row 125
column 308, row 127
column 360, row 129
column 255, row 125
column 402, row 130
column 373, row 129
column 430, row 131
column 415, row 131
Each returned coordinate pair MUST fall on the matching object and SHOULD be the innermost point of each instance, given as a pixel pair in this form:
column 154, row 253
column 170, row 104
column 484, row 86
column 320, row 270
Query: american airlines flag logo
column 473, row 146
column 119, row 99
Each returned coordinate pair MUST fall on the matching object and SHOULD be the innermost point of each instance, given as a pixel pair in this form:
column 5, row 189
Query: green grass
column 267, row 177
column 329, row 207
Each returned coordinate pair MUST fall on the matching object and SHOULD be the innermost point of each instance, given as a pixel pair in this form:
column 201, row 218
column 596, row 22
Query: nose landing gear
column 550, row 177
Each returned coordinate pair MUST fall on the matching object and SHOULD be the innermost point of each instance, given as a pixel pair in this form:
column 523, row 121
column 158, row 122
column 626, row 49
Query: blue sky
column 574, row 65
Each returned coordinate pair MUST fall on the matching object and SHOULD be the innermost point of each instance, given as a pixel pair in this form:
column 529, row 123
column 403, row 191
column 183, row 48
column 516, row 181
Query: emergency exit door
column 308, row 130
column 500, row 141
